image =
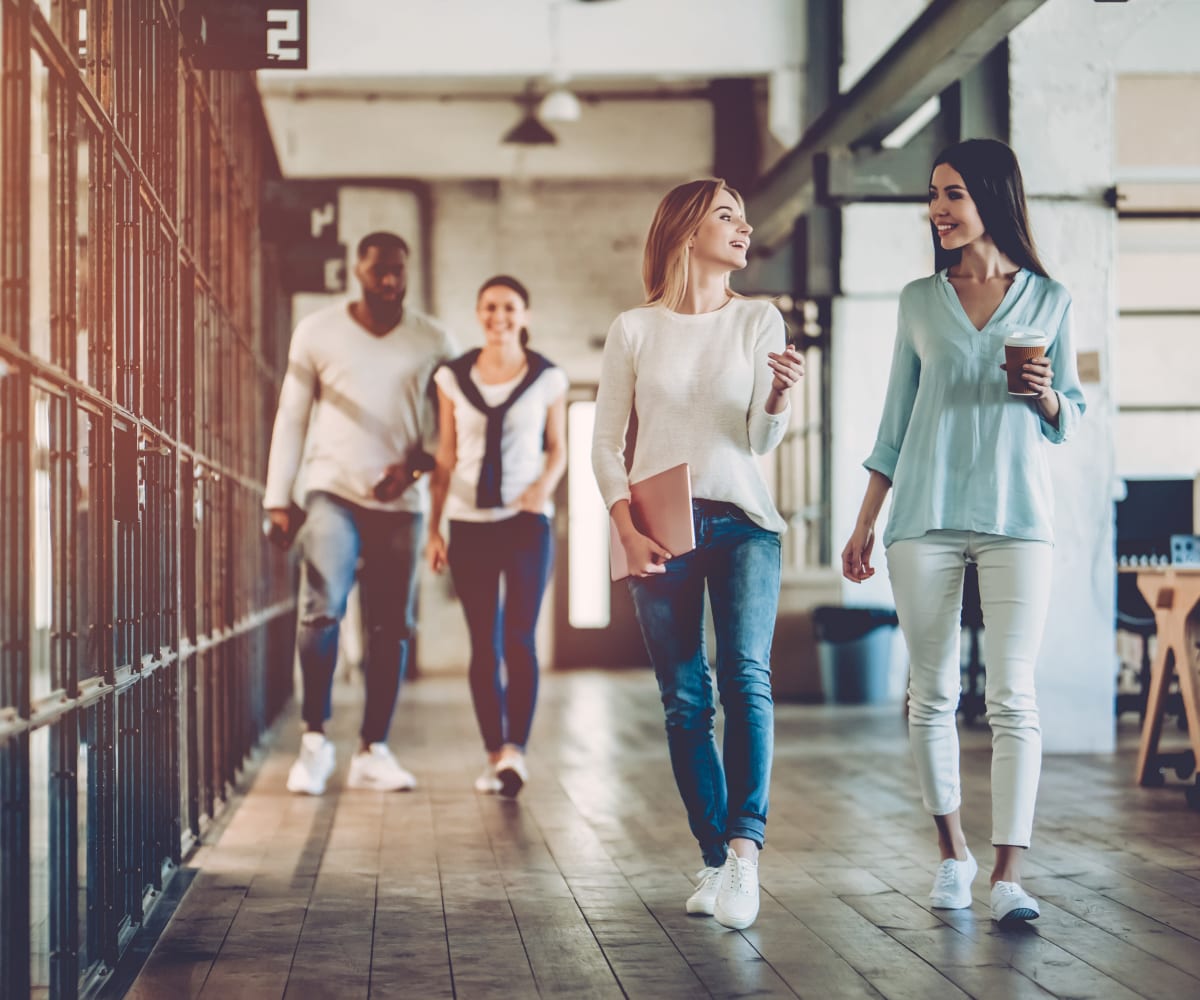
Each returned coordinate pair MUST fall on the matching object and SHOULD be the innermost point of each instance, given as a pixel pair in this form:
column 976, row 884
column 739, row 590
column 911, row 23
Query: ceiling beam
column 941, row 45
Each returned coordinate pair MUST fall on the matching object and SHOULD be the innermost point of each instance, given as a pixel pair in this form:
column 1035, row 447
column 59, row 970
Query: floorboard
column 576, row 889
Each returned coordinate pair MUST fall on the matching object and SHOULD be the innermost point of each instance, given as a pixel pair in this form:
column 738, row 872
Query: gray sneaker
column 313, row 767
column 378, row 770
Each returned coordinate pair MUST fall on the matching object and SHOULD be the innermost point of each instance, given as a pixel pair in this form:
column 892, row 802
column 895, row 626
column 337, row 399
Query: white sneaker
column 313, row 767
column 952, row 884
column 705, row 897
column 1011, row 904
column 736, row 904
column 511, row 772
column 487, row 783
column 378, row 770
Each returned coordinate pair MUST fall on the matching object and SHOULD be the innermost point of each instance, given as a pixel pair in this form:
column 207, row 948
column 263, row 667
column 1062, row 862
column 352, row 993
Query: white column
column 1060, row 59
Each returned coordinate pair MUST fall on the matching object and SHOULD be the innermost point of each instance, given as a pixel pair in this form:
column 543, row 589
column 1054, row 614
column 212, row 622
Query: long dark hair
column 992, row 175
column 511, row 283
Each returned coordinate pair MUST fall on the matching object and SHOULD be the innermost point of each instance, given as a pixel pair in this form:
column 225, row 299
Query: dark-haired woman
column 972, row 484
column 501, row 453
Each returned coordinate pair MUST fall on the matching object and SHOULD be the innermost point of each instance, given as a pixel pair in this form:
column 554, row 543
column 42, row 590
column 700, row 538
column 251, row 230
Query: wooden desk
column 1174, row 594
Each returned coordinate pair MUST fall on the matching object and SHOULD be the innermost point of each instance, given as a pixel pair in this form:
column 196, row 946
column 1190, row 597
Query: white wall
column 1070, row 167
column 577, row 246
column 883, row 248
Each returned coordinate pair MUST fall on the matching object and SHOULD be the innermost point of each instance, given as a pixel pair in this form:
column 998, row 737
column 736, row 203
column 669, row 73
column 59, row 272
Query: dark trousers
column 517, row 550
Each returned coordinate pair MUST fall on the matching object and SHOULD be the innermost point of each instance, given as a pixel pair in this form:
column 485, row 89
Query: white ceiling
column 409, row 88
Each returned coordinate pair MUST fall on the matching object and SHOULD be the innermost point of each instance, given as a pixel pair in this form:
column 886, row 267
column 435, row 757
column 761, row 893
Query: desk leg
column 1187, row 666
column 1160, row 682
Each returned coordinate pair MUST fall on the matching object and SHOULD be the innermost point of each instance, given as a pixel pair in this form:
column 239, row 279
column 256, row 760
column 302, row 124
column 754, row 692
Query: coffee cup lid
column 1024, row 338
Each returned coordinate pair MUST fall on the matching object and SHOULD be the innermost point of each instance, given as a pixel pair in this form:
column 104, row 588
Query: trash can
column 854, row 647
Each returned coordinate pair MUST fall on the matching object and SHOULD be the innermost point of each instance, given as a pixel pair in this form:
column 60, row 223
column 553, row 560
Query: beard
column 383, row 308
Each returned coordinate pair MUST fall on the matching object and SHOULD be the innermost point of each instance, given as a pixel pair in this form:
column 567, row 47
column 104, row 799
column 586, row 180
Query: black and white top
column 523, row 428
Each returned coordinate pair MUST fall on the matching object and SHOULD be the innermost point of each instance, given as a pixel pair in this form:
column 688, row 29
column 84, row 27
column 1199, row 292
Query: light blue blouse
column 961, row 453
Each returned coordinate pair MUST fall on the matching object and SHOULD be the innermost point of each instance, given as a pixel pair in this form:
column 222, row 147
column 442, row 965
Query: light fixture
column 529, row 132
column 559, row 105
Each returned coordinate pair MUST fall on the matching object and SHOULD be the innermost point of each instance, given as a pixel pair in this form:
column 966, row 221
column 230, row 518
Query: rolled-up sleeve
column 765, row 430
column 1066, row 385
column 898, row 403
column 614, row 402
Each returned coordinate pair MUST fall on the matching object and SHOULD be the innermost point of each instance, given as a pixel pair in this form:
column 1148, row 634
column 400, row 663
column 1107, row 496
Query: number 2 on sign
column 288, row 30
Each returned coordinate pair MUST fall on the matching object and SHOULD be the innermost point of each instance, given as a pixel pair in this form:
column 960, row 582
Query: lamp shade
column 560, row 105
column 530, row 132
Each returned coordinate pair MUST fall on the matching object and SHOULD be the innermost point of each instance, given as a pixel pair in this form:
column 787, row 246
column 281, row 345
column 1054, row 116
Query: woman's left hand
column 1039, row 376
column 788, row 368
column 534, row 499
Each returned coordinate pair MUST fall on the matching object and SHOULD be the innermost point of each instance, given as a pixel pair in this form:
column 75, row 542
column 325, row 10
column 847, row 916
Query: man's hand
column 399, row 476
column 396, row 478
column 281, row 524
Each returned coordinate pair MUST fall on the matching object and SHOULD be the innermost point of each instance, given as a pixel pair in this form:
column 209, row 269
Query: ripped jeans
column 336, row 535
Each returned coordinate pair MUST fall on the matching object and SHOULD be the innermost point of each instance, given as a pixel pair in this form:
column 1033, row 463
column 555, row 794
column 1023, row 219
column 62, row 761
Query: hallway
column 577, row 888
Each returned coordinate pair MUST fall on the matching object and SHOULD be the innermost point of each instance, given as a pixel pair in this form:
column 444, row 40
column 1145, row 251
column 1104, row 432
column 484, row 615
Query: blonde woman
column 501, row 453
column 710, row 374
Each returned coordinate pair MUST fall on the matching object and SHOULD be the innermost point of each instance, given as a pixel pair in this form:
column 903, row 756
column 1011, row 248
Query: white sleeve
column 765, row 429
column 291, row 423
column 614, row 402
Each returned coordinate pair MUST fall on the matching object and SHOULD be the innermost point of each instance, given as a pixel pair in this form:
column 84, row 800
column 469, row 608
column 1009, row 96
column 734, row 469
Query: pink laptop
column 661, row 507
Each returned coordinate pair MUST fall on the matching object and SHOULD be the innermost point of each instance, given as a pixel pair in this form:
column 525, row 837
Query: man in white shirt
column 367, row 365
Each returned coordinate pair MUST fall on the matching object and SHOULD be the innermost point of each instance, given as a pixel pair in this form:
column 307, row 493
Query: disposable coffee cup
column 1021, row 346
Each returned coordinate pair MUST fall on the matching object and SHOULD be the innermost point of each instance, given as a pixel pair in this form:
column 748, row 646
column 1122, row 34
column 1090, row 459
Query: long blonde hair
column 679, row 214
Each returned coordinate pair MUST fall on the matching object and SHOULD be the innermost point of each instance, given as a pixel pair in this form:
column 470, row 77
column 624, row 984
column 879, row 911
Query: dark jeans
column 518, row 549
column 335, row 536
column 740, row 562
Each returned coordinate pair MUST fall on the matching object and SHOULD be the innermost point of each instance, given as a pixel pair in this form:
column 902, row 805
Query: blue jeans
column 740, row 563
column 335, row 536
column 520, row 550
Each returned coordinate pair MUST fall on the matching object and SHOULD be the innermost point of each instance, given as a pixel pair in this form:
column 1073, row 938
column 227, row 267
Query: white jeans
column 1014, row 587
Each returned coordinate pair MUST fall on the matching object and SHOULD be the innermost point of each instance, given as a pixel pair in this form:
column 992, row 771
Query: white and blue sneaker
column 1013, row 905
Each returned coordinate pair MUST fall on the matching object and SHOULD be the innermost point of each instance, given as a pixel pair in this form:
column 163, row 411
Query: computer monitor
column 1153, row 510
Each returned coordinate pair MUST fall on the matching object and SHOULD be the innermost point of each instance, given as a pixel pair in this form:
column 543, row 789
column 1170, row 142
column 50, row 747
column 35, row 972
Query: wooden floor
column 577, row 889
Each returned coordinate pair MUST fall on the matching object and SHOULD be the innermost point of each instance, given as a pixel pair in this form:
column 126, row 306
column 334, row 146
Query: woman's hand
column 856, row 556
column 1039, row 376
column 644, row 556
column 436, row 552
column 788, row 369
column 534, row 499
